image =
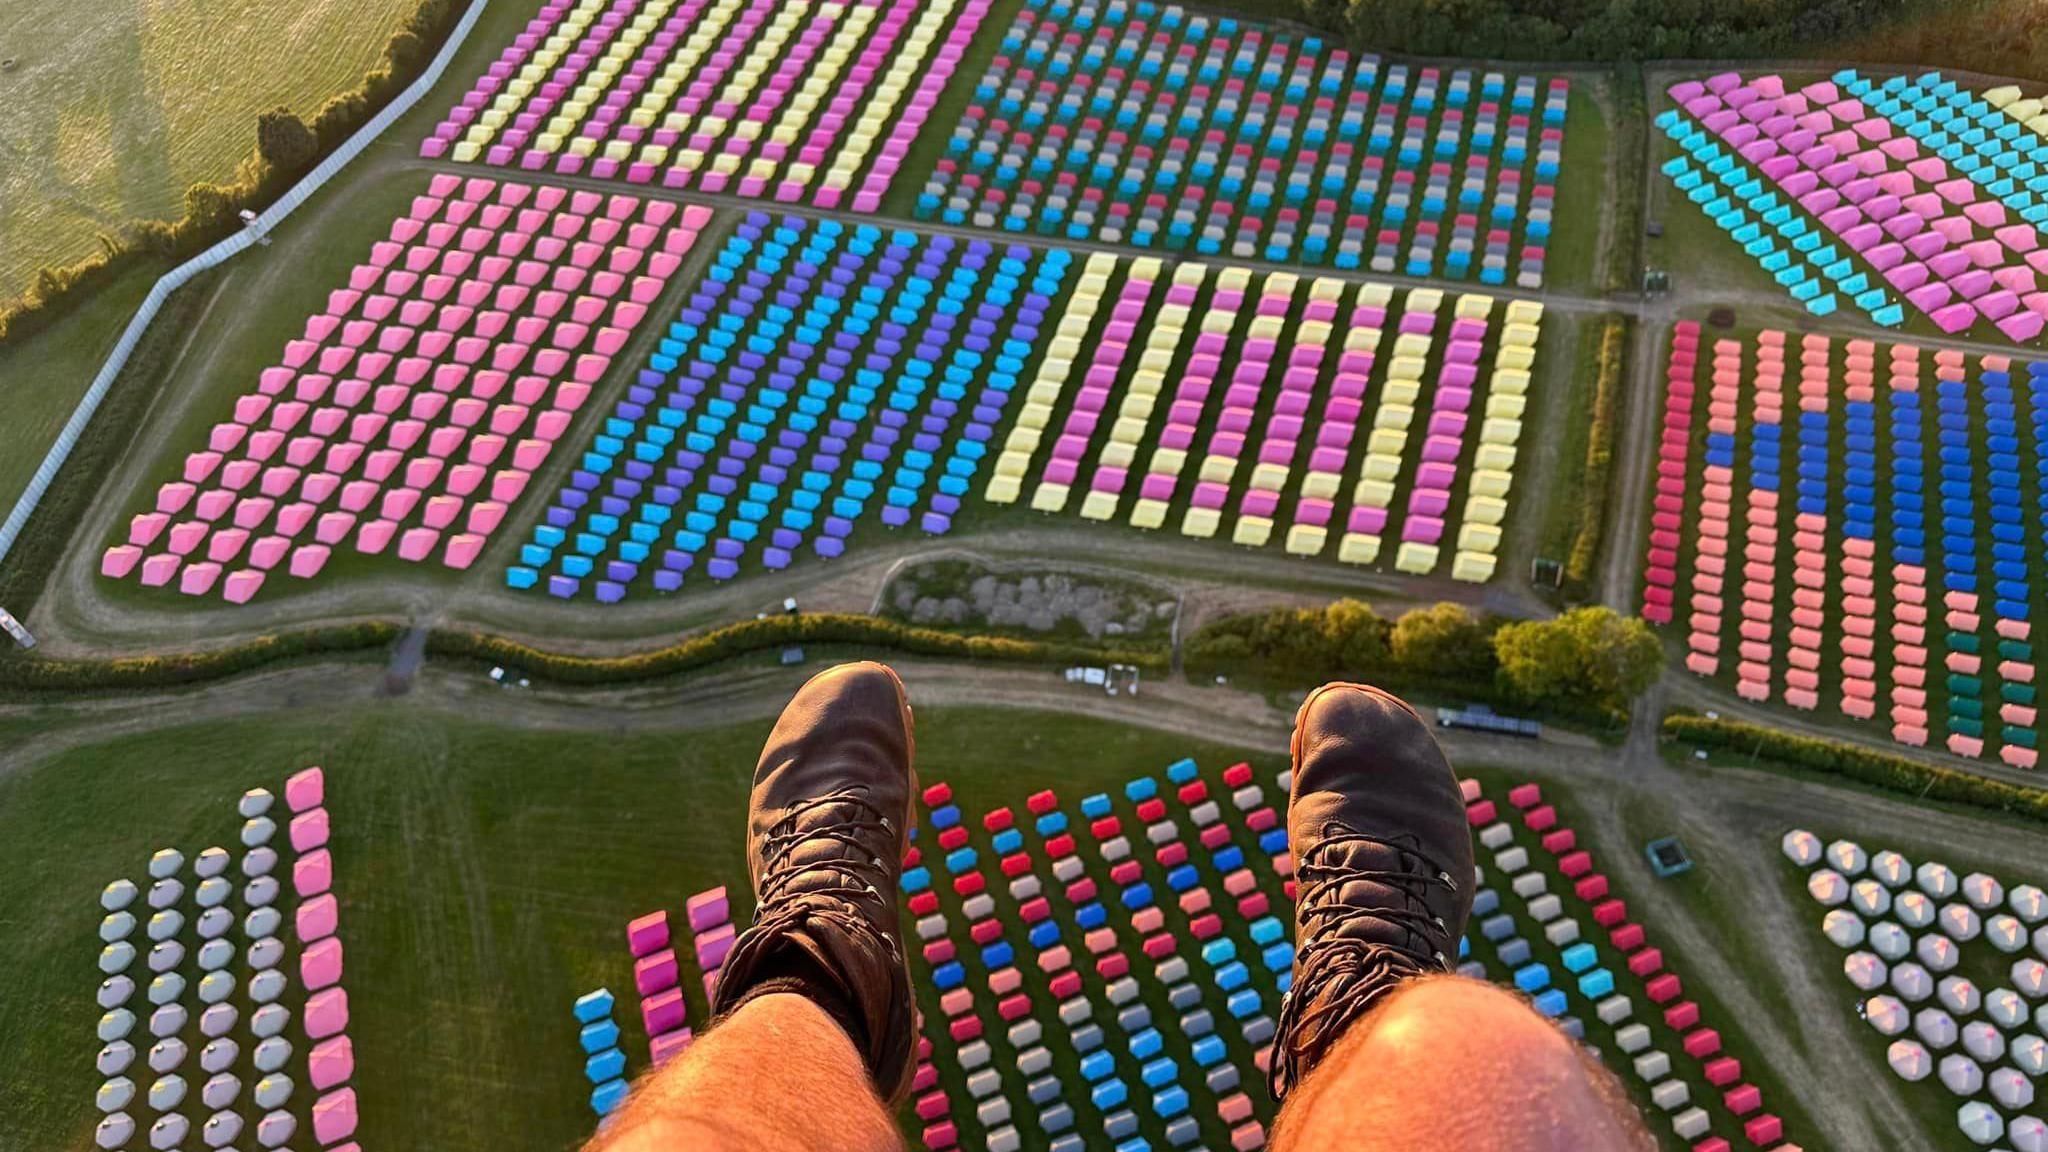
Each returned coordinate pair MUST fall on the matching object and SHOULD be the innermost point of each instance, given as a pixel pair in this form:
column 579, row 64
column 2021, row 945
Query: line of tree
column 1586, row 664
column 1865, row 765
column 1609, row 365
column 1605, row 29
column 869, row 634
column 287, row 147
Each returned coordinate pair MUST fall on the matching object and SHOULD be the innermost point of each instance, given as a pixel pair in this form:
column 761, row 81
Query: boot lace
column 850, row 879
column 1340, row 977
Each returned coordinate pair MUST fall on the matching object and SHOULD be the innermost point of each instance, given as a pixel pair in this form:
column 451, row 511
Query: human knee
column 1453, row 1011
column 1451, row 1062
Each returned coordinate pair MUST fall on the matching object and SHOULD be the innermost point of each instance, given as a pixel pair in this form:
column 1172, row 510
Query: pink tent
column 120, row 560
column 242, row 586
column 198, row 579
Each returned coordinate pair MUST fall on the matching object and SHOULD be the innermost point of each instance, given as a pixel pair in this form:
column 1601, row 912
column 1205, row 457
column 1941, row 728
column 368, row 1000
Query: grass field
column 113, row 109
column 485, row 876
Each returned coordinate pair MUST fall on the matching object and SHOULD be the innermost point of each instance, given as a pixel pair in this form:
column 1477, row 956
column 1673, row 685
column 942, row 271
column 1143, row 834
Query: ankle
column 795, row 973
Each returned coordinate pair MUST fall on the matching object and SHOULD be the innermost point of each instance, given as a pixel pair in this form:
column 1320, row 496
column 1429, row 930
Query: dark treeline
column 1607, row 29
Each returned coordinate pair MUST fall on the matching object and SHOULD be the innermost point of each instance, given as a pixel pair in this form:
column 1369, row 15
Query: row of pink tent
column 1716, row 496
column 657, row 971
column 903, row 135
column 1288, row 418
column 1755, row 646
column 1077, row 434
column 413, row 411
column 1429, row 499
column 330, row 1063
column 1667, row 509
column 1337, row 428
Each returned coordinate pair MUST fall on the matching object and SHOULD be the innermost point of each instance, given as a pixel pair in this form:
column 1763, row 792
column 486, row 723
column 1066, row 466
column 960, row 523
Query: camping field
column 113, row 109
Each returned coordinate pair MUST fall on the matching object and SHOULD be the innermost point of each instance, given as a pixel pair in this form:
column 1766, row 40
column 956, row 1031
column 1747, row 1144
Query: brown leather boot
column 1383, row 863
column 828, row 823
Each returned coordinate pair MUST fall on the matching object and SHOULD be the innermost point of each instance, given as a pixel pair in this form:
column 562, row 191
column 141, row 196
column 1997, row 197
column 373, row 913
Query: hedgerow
column 1865, row 765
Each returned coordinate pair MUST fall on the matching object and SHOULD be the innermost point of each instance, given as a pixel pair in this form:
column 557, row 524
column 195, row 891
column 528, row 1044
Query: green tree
column 1357, row 638
column 286, row 146
column 1443, row 640
column 1588, row 656
column 209, row 206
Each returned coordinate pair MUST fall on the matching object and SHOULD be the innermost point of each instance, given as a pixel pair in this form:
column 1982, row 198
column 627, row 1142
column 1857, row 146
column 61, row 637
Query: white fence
column 81, row 416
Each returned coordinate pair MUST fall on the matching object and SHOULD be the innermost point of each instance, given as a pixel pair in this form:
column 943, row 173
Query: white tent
column 1961, row 1074
column 1959, row 995
column 1961, row 922
column 118, row 895
column 1848, row 857
column 2005, row 932
column 1914, row 910
column 220, row 1090
column 2013, row 1091
column 1886, row 1014
column 1937, row 952
column 2028, row 1134
column 114, row 1094
column 1936, row 1029
column 1827, row 886
column 1980, row 1122
column 2029, row 1054
column 254, row 802
column 1801, row 847
column 1983, row 1042
column 115, row 1058
column 2005, row 1008
column 114, row 1131
column 1843, row 927
column 1890, row 867
column 167, row 1093
column 2030, row 976
column 1911, row 982
column 2028, row 903
column 1890, row 941
column 1870, row 898
column 1909, row 1060
column 211, row 862
column 1864, row 970
column 169, row 1131
column 219, row 1055
column 221, row 1129
column 165, row 863
column 1937, row 880
column 166, row 1055
column 1984, row 892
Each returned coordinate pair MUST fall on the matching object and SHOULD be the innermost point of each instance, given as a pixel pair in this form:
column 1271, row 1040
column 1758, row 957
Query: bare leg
column 1447, row 1062
column 777, row 1076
